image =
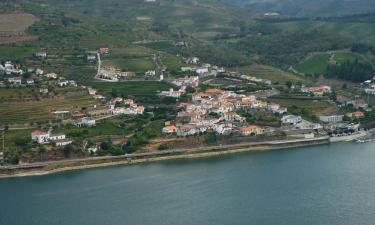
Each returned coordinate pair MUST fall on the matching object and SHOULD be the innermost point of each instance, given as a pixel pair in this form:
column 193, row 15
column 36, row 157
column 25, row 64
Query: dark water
column 323, row 185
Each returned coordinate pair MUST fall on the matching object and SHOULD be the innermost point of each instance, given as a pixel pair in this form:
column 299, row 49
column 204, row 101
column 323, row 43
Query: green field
column 316, row 64
column 137, row 65
column 341, row 57
column 131, row 88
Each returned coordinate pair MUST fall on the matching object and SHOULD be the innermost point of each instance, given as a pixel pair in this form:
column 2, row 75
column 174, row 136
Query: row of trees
column 354, row 71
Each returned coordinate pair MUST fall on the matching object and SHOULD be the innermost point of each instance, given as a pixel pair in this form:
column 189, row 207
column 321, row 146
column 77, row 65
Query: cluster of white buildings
column 45, row 137
column 298, row 123
column 215, row 110
column 125, row 106
column 317, row 90
column 192, row 81
column 65, row 83
column 113, row 74
column 172, row 93
column 203, row 69
column 9, row 68
column 370, row 86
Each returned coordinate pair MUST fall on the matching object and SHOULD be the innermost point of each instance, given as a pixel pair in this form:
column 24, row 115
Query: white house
column 39, row 72
column 92, row 91
column 30, row 81
column 370, row 91
column 150, row 73
column 41, row 54
column 85, row 122
column 43, row 137
column 91, row 58
column 15, row 80
column 40, row 136
column 223, row 127
column 202, row 70
column 306, row 125
column 172, row 93
column 291, row 119
column 63, row 83
column 43, row 90
column 51, row 75
column 192, row 60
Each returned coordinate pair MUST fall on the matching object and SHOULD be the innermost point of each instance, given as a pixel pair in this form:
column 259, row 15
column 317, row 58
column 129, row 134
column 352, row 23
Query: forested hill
column 308, row 8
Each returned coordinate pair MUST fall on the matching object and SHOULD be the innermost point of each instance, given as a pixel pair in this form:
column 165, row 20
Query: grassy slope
column 316, row 64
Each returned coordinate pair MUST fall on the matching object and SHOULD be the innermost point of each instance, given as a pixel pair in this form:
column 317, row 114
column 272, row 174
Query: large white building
column 331, row 118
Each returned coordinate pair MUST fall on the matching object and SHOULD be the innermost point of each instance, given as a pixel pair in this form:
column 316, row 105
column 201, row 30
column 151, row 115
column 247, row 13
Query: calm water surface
column 323, row 185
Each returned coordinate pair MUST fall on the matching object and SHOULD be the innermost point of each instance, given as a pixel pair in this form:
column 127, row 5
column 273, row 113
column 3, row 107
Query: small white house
column 40, row 136
column 30, row 81
column 150, row 73
column 63, row 142
column 91, row 58
column 41, row 54
column 85, row 122
column 43, row 90
column 15, row 80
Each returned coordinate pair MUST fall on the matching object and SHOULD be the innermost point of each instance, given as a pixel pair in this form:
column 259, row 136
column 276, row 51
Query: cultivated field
column 15, row 22
column 20, row 108
column 13, row 27
column 269, row 72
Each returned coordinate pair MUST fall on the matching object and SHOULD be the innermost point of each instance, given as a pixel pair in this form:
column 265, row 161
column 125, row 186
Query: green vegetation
column 143, row 136
column 353, row 71
column 138, row 89
column 109, row 127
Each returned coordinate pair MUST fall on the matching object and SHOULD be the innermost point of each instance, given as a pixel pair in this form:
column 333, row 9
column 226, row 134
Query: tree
column 68, row 149
column 289, row 84
column 211, row 139
column 41, row 151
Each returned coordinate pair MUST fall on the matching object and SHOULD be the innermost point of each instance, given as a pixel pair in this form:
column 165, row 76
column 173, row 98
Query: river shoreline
column 79, row 164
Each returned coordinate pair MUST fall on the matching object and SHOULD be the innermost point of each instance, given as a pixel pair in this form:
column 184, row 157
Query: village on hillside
column 204, row 104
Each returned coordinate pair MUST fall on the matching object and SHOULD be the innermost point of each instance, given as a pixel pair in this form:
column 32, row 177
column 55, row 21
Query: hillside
column 308, row 8
column 137, row 30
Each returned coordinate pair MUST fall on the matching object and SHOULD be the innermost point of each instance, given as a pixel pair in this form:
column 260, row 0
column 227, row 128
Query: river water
column 321, row 185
